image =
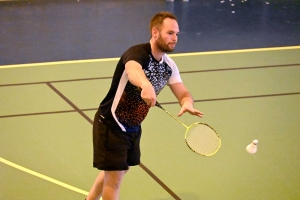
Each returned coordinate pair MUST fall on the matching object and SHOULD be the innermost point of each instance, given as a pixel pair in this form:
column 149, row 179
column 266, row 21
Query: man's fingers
column 150, row 102
column 193, row 112
column 182, row 110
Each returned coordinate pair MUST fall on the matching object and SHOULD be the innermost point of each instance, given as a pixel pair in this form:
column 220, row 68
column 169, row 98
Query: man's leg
column 96, row 190
column 112, row 183
column 107, row 185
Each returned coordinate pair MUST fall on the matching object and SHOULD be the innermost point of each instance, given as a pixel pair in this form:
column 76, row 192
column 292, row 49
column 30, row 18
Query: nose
column 175, row 38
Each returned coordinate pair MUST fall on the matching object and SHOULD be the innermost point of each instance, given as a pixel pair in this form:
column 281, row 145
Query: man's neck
column 157, row 54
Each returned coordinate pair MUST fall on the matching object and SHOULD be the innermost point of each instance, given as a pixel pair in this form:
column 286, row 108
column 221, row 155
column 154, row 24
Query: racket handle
column 158, row 105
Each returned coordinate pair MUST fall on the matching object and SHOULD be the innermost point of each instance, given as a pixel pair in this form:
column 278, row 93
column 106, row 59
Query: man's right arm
column 137, row 77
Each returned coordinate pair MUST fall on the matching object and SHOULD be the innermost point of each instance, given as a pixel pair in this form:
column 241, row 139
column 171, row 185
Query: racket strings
column 202, row 139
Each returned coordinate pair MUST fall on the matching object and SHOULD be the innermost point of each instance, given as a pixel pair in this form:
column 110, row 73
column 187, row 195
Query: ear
column 155, row 33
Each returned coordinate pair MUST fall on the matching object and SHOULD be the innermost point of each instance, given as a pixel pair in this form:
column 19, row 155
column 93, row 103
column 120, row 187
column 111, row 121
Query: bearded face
column 165, row 46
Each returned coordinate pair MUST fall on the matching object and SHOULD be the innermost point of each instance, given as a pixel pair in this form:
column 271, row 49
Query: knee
column 114, row 176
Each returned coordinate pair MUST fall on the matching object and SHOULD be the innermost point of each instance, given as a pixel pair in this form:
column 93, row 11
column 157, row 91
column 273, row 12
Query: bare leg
column 112, row 183
column 107, row 185
column 96, row 190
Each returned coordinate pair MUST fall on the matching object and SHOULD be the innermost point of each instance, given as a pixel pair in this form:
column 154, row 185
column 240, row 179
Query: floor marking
column 81, row 111
column 171, row 55
column 182, row 72
column 47, row 178
column 164, row 186
column 70, row 103
column 235, row 51
column 152, row 175
column 59, row 63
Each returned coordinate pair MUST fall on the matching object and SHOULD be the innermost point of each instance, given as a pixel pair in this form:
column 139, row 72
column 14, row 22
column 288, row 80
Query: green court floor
column 46, row 111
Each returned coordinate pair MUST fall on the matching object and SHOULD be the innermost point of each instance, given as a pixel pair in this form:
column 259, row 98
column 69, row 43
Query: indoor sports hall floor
column 245, row 77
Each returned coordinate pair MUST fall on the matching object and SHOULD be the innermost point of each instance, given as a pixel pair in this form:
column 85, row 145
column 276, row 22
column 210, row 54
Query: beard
column 163, row 46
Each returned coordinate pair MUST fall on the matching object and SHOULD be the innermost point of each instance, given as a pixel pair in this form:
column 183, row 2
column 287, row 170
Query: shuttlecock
column 252, row 148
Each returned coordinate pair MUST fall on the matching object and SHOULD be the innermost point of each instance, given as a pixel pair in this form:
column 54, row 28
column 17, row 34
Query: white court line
column 47, row 178
column 171, row 55
column 235, row 51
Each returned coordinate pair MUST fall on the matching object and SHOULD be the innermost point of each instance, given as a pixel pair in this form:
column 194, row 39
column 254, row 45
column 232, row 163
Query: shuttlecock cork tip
column 252, row 148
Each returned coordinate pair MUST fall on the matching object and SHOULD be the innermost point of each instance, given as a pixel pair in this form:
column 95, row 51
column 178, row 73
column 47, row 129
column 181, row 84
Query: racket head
column 202, row 139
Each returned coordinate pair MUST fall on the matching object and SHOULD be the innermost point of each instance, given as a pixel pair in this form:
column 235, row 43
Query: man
column 141, row 73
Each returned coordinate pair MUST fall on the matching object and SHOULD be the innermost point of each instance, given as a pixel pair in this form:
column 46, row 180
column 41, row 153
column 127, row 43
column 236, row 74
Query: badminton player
column 141, row 73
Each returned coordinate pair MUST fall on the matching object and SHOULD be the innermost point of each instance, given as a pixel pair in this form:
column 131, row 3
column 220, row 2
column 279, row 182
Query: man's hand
column 148, row 95
column 137, row 77
column 188, row 107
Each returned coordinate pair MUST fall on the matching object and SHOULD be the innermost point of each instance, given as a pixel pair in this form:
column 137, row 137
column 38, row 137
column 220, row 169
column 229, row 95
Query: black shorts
column 114, row 149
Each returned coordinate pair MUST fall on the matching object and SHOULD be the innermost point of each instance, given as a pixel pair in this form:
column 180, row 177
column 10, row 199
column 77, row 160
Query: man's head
column 164, row 30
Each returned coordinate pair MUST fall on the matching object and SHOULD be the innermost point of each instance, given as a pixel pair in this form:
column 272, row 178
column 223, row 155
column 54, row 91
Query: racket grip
column 158, row 105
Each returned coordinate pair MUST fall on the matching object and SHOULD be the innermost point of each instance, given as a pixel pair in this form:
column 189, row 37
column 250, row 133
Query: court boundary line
column 171, row 55
column 57, row 81
column 39, row 113
column 47, row 178
column 70, row 103
column 151, row 174
column 42, row 176
column 162, row 103
column 239, row 68
column 182, row 72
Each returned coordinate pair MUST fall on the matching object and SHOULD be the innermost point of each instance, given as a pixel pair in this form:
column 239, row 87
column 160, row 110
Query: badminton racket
column 200, row 137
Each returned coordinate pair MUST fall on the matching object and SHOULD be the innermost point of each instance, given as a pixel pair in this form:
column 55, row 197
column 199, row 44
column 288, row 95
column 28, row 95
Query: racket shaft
column 158, row 105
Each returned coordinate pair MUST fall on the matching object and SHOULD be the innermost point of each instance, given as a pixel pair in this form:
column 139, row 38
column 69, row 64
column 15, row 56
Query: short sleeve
column 175, row 77
column 136, row 53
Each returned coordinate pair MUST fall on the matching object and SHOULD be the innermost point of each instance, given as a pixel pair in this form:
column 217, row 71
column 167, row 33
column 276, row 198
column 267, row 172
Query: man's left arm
column 185, row 99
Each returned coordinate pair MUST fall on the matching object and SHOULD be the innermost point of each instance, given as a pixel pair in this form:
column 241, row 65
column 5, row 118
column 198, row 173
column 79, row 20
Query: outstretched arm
column 185, row 99
column 137, row 77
